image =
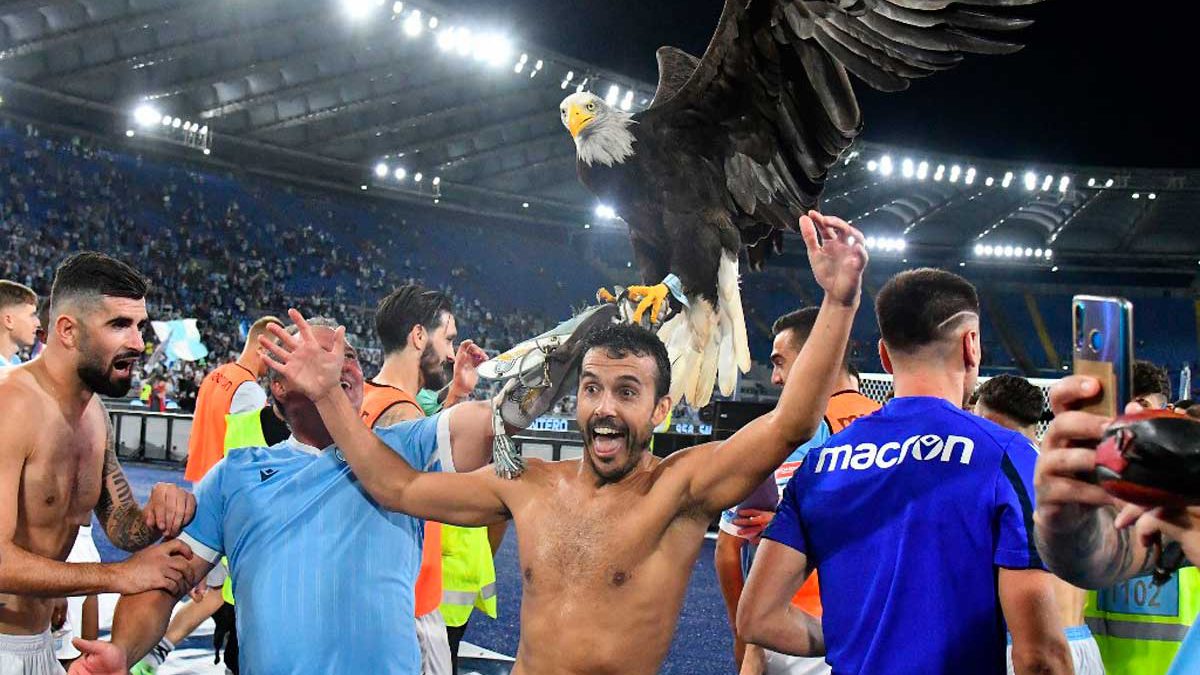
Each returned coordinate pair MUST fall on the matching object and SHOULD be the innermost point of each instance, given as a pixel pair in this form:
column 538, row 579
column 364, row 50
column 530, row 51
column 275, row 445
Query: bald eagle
column 736, row 145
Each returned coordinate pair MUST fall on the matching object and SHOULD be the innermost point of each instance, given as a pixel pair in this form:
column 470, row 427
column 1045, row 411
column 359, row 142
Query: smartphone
column 1102, row 339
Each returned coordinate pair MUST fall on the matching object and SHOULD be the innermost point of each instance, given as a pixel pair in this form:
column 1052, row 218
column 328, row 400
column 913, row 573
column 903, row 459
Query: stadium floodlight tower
column 148, row 121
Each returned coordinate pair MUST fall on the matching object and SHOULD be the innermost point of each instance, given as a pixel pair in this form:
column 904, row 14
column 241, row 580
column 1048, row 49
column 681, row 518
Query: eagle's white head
column 601, row 132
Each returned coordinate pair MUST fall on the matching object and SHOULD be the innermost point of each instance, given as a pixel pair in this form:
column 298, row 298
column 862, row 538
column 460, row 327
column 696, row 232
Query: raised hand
column 98, row 658
column 170, row 509
column 165, row 567
column 303, row 363
column 466, row 373
column 1065, row 466
column 837, row 258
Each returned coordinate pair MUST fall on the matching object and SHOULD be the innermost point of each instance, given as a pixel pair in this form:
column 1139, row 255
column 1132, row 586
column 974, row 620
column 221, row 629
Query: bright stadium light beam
column 605, row 212
column 418, row 177
column 146, row 115
column 357, row 9
column 1047, row 182
column 1008, row 179
column 627, row 102
column 614, row 93
column 872, row 165
column 381, row 170
column 1030, row 181
column 1108, row 183
column 445, row 39
column 166, row 120
column 400, row 173
column 413, row 25
column 990, row 181
column 978, row 249
column 955, row 173
column 885, row 165
column 1063, row 184
column 176, row 123
column 969, row 179
column 940, row 172
column 922, row 170
column 906, row 168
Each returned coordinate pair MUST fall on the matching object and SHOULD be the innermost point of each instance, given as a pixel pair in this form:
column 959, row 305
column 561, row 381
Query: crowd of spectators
column 221, row 259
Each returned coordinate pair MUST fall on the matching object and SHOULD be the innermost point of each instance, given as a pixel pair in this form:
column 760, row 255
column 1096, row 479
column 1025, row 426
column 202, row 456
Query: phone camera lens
column 1096, row 340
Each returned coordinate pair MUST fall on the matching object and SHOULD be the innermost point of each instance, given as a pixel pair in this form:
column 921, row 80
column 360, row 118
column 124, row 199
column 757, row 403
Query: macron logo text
column 923, row 448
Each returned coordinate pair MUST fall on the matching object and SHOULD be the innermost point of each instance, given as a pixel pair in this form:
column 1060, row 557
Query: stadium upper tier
column 223, row 248
column 353, row 93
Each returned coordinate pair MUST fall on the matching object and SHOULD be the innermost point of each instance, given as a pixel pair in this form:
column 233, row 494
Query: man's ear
column 418, row 337
column 661, row 410
column 66, row 329
column 885, row 358
column 972, row 352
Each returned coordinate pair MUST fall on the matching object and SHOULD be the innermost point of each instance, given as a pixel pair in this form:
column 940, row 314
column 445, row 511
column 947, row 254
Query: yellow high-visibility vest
column 1139, row 626
column 242, row 430
column 468, row 574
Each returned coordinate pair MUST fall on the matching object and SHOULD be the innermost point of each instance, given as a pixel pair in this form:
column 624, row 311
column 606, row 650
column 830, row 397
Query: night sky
column 1100, row 82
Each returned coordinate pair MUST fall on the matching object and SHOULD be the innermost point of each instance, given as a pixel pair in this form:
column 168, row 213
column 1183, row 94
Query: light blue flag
column 180, row 340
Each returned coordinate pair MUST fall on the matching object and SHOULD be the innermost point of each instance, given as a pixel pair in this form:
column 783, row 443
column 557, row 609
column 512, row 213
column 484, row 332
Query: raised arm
column 766, row 615
column 23, row 572
column 455, row 498
column 1076, row 529
column 724, row 473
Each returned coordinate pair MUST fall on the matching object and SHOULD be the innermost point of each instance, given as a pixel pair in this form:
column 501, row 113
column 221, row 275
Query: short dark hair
column 1149, row 378
column 404, row 309
column 624, row 339
column 801, row 322
column 12, row 293
column 95, row 274
column 1014, row 397
column 913, row 306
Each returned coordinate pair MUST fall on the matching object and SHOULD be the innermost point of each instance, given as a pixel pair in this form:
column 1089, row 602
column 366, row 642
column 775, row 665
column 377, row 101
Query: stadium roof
column 381, row 93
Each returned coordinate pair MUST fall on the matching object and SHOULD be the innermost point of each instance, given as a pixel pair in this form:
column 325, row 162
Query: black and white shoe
column 545, row 367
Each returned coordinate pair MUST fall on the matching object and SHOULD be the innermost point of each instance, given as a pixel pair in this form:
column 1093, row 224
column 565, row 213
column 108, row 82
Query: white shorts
column 84, row 551
column 783, row 664
column 435, row 646
column 28, row 655
column 1085, row 653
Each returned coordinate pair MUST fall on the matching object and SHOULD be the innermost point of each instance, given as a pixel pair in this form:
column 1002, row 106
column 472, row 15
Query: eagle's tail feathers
column 731, row 309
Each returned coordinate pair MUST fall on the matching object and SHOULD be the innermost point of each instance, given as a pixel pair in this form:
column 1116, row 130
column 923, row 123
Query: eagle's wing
column 772, row 97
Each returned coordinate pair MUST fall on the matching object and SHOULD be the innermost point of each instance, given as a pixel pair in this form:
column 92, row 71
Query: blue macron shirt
column 907, row 514
column 323, row 575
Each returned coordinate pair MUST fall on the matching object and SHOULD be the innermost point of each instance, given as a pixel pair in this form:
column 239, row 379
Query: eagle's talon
column 605, row 297
column 649, row 298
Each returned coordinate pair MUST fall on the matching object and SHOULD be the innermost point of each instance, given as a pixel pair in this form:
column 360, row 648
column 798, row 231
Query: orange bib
column 378, row 399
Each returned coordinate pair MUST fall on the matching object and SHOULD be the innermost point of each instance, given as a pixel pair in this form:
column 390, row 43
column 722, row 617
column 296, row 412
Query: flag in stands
column 180, row 340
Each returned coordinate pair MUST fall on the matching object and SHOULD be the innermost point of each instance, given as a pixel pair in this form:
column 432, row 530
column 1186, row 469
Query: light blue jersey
column 1187, row 660
column 324, row 576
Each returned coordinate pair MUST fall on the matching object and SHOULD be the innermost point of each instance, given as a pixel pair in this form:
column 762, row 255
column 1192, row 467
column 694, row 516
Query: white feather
column 731, row 303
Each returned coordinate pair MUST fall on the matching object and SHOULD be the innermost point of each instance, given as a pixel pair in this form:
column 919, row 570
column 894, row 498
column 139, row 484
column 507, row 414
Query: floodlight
column 145, row 115
column 400, row 173
column 413, row 25
column 381, row 170
column 885, row 165
column 906, row 168
column 605, row 212
column 614, row 92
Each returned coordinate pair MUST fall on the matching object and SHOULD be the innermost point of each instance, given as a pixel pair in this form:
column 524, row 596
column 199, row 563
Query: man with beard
column 606, row 540
column 418, row 331
column 58, row 464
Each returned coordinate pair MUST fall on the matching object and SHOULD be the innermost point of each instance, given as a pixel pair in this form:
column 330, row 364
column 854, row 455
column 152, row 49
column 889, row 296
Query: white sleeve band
column 200, row 549
column 248, row 397
column 444, row 453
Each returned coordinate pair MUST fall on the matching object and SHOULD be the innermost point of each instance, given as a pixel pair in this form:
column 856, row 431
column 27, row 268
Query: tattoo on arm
column 1095, row 554
column 118, row 512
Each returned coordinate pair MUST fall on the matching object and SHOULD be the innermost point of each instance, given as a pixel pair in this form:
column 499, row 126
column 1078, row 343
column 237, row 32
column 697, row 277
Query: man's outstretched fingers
column 302, row 325
column 281, row 353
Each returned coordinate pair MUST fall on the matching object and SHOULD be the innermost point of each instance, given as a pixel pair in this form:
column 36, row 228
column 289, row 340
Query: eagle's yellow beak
column 577, row 119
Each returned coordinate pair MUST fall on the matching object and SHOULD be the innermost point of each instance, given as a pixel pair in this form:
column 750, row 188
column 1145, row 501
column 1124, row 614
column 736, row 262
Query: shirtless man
column 607, row 541
column 58, row 464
